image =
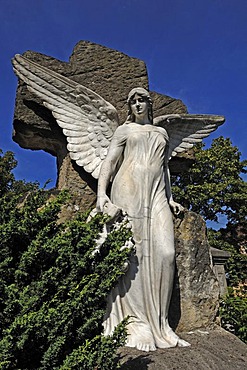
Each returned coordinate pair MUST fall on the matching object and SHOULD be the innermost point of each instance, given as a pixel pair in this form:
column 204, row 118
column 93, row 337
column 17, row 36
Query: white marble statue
column 134, row 157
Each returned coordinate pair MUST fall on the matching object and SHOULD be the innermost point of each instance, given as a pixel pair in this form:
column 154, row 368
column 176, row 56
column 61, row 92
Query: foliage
column 12, row 191
column 53, row 288
column 213, row 185
column 8, row 183
column 233, row 312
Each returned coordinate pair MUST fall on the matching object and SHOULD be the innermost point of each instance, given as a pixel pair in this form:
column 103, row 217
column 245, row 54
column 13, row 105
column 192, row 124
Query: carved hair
column 146, row 96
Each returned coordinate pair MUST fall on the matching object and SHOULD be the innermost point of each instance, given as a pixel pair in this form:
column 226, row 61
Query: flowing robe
column 139, row 189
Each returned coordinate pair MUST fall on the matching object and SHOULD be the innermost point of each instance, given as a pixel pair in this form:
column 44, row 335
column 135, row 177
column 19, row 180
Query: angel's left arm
column 168, row 183
column 176, row 207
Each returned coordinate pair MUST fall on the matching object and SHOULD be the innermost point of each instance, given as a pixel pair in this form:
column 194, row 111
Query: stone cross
column 109, row 73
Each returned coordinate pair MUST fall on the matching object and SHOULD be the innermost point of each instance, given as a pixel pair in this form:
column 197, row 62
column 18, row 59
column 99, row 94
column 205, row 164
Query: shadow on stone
column 141, row 363
column 175, row 305
column 41, row 111
column 85, row 176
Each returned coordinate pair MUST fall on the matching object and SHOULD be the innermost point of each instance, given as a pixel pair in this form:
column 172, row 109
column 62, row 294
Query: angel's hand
column 105, row 206
column 102, row 201
column 176, row 207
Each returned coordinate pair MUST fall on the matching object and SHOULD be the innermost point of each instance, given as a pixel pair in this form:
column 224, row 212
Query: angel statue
column 134, row 157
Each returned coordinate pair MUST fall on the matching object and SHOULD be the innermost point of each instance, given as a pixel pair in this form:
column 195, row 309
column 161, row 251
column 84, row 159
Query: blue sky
column 195, row 50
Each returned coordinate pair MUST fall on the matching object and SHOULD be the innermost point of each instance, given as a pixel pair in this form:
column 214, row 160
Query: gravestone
column 112, row 75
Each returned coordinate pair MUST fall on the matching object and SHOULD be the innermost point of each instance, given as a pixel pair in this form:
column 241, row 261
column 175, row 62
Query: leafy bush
column 213, row 186
column 233, row 312
column 53, row 288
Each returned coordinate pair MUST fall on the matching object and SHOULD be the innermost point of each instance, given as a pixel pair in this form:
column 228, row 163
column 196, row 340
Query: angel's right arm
column 108, row 169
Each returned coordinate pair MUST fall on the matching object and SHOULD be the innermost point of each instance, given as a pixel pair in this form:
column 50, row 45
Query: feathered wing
column 87, row 120
column 187, row 129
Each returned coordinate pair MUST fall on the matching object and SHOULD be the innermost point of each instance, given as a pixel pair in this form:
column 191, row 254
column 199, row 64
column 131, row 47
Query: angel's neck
column 142, row 121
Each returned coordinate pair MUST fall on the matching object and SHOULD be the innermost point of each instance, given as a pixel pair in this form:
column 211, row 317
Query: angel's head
column 139, row 105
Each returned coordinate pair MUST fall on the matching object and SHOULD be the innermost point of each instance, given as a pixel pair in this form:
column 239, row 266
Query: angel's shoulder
column 122, row 130
column 163, row 131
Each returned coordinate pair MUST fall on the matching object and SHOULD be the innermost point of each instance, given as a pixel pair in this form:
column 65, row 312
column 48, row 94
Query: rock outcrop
column 196, row 291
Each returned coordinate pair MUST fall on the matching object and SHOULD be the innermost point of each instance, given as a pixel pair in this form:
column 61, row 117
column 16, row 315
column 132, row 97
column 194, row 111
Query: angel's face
column 139, row 106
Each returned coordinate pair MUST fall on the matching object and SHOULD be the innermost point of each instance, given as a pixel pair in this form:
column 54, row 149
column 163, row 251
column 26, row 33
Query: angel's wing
column 185, row 130
column 88, row 121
